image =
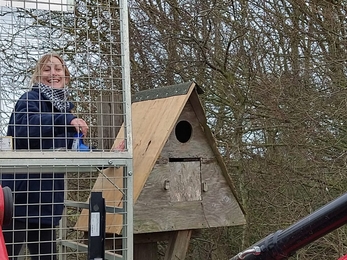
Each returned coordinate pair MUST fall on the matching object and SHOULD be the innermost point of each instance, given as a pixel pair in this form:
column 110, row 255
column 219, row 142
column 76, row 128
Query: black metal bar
column 96, row 235
column 8, row 206
column 284, row 243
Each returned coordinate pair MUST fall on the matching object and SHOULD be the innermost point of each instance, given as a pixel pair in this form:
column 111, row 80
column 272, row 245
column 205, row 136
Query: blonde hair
column 42, row 62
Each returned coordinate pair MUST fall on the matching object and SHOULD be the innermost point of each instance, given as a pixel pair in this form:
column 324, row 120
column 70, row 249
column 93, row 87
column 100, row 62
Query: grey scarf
column 58, row 97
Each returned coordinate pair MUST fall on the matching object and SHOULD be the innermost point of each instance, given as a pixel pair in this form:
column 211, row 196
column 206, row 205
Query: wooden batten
column 178, row 184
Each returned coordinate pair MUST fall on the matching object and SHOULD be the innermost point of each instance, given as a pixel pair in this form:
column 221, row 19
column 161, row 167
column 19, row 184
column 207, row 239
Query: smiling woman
column 42, row 119
column 51, row 71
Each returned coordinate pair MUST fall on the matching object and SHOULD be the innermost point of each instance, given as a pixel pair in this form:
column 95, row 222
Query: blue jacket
column 36, row 124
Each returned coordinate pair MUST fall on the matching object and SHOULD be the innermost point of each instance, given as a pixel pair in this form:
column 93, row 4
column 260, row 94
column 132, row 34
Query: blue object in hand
column 78, row 144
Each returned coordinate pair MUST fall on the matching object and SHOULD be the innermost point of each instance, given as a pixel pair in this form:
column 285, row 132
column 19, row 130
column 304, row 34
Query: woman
column 41, row 120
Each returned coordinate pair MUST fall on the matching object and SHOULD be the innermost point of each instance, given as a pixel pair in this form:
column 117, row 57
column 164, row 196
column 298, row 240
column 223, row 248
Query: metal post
column 127, row 231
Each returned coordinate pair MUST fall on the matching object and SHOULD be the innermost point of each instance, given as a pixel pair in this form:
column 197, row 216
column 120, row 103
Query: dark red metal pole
column 6, row 211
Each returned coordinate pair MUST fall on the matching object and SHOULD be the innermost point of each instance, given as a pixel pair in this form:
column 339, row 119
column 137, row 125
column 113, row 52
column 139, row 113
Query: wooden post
column 178, row 245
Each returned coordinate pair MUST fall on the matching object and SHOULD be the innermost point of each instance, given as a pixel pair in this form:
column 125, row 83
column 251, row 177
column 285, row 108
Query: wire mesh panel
column 65, row 126
column 32, row 234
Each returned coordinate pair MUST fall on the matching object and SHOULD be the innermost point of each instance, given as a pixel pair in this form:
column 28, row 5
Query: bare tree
column 274, row 80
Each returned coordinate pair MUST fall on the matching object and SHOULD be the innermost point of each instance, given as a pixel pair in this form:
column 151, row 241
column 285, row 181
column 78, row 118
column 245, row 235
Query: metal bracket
column 166, row 184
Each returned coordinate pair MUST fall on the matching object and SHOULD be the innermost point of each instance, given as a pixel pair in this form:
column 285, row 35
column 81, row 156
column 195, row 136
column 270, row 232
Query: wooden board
column 178, row 245
column 171, row 217
column 184, row 181
column 220, row 206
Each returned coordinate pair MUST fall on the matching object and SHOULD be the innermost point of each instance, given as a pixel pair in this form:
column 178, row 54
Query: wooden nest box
column 180, row 180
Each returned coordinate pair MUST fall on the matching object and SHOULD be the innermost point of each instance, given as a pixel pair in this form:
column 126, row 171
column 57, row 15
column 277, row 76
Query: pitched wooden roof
column 154, row 115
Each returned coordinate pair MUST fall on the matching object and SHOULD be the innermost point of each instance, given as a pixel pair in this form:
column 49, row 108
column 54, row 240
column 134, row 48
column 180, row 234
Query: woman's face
column 53, row 73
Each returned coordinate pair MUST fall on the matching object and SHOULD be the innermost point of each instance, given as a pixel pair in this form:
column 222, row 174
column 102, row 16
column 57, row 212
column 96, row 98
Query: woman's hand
column 119, row 147
column 80, row 125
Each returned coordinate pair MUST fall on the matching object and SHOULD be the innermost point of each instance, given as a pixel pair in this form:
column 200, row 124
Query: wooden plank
column 173, row 216
column 178, row 245
column 185, row 181
column 220, row 206
column 153, row 192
